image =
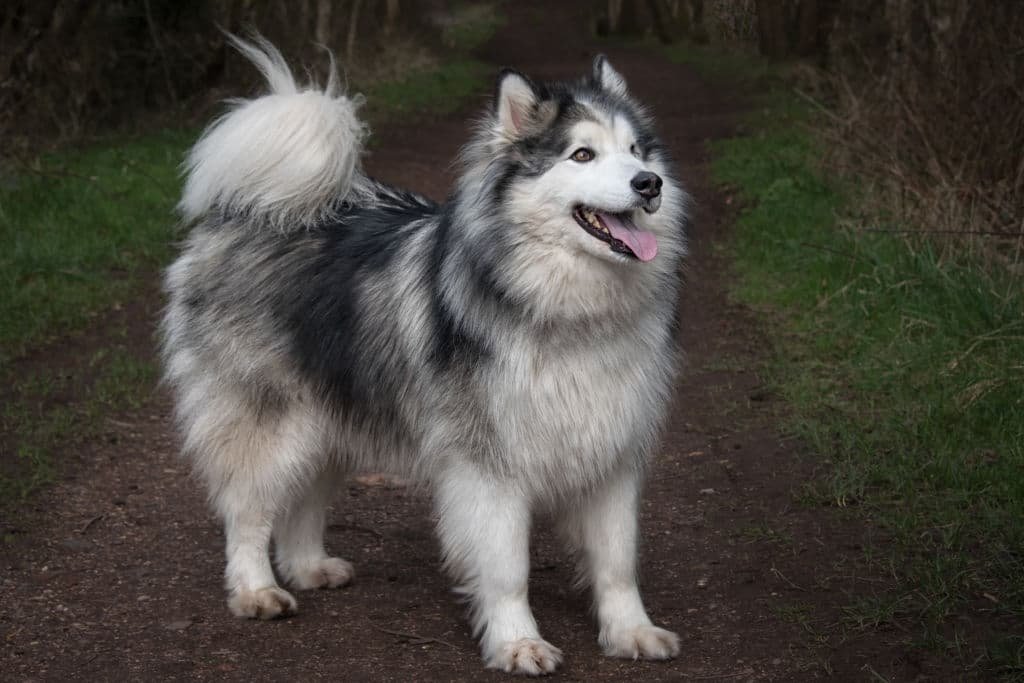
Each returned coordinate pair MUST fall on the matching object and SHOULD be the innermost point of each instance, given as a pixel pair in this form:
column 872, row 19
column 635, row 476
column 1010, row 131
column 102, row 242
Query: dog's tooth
column 591, row 217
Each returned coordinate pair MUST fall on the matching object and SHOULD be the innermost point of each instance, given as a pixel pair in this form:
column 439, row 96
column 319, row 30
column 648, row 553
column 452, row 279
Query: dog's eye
column 583, row 155
column 634, row 150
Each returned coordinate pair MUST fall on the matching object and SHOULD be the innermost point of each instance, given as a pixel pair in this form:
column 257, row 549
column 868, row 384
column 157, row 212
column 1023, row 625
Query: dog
column 512, row 348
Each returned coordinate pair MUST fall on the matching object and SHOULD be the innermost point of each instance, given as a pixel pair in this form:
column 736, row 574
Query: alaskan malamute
column 512, row 348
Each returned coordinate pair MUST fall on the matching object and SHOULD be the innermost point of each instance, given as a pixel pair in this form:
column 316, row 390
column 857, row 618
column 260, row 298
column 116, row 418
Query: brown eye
column 583, row 155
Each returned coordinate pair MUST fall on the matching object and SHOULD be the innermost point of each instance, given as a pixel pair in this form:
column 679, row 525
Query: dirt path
column 121, row 578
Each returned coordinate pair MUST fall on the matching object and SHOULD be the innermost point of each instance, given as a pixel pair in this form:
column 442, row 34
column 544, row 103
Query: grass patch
column 440, row 90
column 80, row 229
column 54, row 410
column 904, row 369
column 715, row 64
column 471, row 25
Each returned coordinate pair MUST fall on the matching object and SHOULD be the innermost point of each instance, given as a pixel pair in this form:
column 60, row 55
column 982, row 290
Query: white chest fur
column 566, row 416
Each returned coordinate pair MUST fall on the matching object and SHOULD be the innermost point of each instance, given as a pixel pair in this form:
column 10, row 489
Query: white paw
column 640, row 642
column 330, row 572
column 265, row 603
column 526, row 656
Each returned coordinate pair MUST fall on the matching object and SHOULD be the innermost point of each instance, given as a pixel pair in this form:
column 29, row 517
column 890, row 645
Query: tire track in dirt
column 120, row 576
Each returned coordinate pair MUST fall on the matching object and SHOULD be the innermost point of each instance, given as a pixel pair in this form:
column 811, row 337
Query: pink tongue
column 642, row 243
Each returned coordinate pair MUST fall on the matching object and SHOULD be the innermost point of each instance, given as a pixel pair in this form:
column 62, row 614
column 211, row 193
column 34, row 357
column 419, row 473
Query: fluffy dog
column 512, row 348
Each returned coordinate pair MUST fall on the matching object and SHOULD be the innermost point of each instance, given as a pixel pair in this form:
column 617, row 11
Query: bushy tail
column 286, row 157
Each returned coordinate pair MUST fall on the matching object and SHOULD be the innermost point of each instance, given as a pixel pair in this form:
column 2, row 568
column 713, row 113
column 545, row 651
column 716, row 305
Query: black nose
column 647, row 184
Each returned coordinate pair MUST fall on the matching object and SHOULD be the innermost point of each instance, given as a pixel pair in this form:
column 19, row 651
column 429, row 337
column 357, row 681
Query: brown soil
column 116, row 571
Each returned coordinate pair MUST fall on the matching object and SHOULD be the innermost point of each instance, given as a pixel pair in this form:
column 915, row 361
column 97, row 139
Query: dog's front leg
column 484, row 524
column 604, row 526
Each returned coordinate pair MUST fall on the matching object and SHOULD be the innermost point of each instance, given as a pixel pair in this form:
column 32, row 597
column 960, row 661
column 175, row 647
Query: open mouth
column 618, row 231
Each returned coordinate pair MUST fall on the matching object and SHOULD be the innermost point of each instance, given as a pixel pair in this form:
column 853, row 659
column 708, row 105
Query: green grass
column 472, row 24
column 441, row 90
column 80, row 228
column 732, row 66
column 65, row 408
column 904, row 370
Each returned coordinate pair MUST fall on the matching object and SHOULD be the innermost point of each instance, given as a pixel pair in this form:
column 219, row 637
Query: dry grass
column 932, row 129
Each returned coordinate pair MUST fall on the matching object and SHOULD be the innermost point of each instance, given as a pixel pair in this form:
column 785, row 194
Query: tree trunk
column 668, row 28
column 698, row 31
column 391, row 16
column 807, row 18
column 614, row 14
column 629, row 23
column 772, row 37
column 353, row 29
column 323, row 22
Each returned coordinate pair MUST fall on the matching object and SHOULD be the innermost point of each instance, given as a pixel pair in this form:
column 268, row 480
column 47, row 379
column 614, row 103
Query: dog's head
column 577, row 166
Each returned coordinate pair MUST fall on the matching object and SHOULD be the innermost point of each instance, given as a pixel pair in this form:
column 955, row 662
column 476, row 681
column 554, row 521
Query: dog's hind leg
column 299, row 539
column 485, row 527
column 603, row 525
column 255, row 467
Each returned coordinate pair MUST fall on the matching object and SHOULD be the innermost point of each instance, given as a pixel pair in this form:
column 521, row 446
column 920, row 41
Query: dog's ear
column 515, row 102
column 607, row 78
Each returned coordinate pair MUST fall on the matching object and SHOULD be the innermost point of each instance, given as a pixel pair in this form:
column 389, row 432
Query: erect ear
column 608, row 78
column 515, row 101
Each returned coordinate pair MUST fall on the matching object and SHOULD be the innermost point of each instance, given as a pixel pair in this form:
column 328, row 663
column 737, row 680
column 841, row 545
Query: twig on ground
column 356, row 527
column 714, row 677
column 819, row 106
column 845, row 254
column 88, row 525
column 413, row 638
column 783, row 577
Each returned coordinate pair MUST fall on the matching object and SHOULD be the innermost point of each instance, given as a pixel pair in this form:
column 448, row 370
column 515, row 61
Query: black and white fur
column 321, row 322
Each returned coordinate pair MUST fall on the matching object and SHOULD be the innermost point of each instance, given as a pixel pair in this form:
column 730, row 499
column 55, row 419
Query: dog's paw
column 640, row 642
column 330, row 572
column 265, row 603
column 526, row 656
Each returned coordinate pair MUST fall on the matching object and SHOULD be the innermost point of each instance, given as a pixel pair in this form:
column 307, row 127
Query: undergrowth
column 903, row 367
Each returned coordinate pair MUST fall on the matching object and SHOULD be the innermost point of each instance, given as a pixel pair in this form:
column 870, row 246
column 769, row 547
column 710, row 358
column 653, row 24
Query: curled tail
column 286, row 157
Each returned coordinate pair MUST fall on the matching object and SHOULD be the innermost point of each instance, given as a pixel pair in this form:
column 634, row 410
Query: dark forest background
column 928, row 93
column 69, row 67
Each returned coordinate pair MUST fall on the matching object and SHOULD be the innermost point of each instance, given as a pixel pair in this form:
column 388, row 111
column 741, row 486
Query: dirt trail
column 121, row 579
